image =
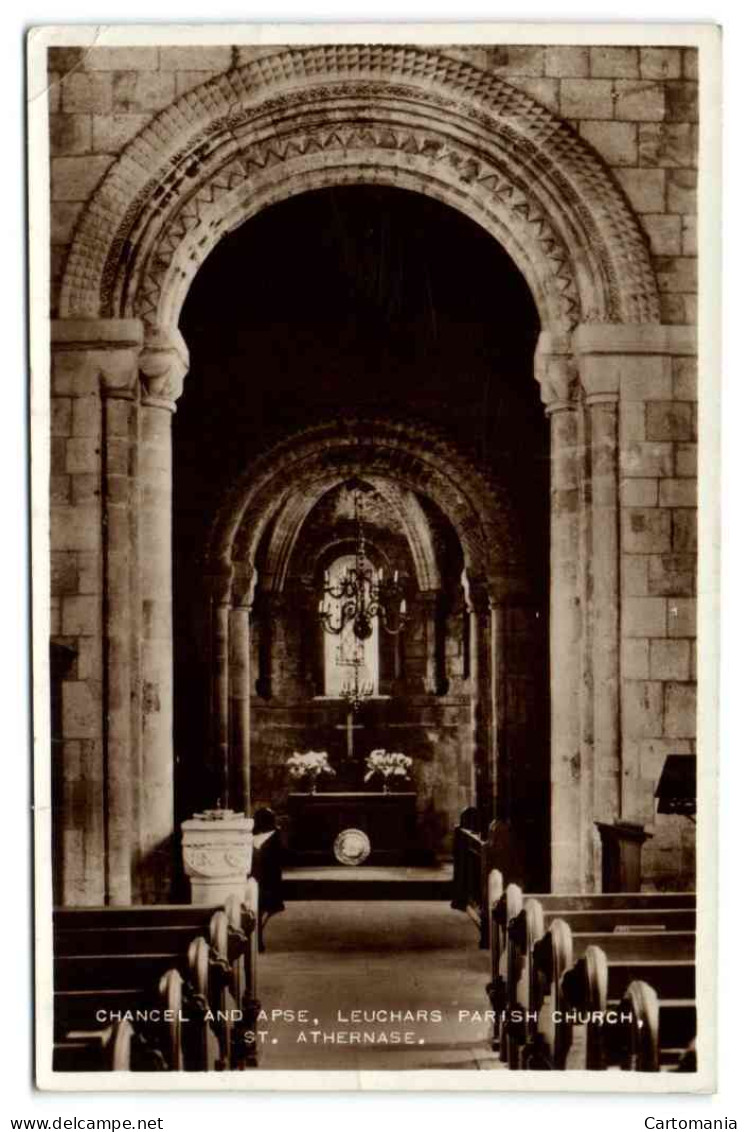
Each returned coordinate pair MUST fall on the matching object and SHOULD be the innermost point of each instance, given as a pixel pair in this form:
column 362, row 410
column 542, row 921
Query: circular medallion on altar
column 351, row 847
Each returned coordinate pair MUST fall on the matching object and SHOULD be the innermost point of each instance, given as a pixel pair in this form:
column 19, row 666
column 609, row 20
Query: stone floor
column 396, row 873
column 332, row 958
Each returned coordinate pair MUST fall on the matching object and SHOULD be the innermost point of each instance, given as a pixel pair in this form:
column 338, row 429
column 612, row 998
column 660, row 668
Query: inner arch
column 362, row 331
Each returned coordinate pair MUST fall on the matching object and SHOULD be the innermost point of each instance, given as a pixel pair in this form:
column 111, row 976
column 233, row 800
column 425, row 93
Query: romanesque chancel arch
column 304, row 119
column 269, row 505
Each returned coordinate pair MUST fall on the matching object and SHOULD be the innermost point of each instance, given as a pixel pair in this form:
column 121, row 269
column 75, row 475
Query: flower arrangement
column 310, row 764
column 387, row 764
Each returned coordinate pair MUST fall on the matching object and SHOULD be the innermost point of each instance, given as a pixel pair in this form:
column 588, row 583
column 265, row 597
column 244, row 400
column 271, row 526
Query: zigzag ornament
column 275, row 153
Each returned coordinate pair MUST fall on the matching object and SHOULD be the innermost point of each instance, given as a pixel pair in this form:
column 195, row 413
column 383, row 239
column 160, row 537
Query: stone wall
column 658, row 588
column 637, row 106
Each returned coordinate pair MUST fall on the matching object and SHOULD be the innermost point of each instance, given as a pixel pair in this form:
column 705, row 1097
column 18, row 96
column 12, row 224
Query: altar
column 381, row 828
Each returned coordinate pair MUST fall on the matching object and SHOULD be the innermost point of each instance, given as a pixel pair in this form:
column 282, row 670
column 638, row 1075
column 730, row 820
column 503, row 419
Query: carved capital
column 600, row 380
column 505, row 587
column 219, row 582
column 476, row 593
column 164, row 361
column 559, row 381
column 243, row 585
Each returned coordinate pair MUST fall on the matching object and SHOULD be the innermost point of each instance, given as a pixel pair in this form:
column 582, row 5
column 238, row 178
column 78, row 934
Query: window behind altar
column 344, row 651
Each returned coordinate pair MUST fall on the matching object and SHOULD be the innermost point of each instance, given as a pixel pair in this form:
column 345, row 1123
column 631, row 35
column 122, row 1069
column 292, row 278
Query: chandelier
column 360, row 595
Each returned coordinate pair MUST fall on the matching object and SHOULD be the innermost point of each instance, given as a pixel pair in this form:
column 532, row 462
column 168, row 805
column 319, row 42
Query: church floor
column 397, row 874
column 395, row 957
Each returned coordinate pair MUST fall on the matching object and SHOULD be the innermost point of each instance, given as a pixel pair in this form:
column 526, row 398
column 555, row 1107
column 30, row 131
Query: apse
column 397, row 329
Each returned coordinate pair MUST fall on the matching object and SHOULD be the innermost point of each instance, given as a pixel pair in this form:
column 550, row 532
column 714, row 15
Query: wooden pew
column 202, row 1049
column 641, row 1036
column 496, row 989
column 106, row 959
column 244, row 924
column 475, row 857
column 524, row 932
column 588, row 973
column 267, row 869
column 590, row 989
column 506, row 905
column 549, row 1038
column 114, row 1048
column 111, row 959
column 169, row 1027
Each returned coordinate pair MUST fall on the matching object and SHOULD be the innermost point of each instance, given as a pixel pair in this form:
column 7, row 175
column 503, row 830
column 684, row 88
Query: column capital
column 600, row 378
column 476, row 593
column 558, row 377
column 504, row 588
column 219, row 578
column 164, row 361
column 243, row 585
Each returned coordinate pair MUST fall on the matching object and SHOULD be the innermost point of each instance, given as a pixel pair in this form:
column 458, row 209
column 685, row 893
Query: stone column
column 118, row 388
column 163, row 366
column 94, row 382
column 427, row 602
column 221, row 605
column 270, row 607
column 601, row 363
column 556, row 373
column 497, row 705
column 240, row 685
column 476, row 596
column 604, row 566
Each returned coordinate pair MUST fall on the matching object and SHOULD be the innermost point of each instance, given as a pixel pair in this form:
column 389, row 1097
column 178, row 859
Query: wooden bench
column 267, row 869
column 116, row 1048
column 546, row 976
column 132, row 965
column 475, row 857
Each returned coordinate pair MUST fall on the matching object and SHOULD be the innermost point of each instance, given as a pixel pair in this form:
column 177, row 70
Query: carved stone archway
column 339, row 114
column 286, row 123
column 267, row 507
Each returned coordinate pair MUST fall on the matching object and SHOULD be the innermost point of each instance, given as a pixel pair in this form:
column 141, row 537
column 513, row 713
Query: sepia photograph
column 367, row 375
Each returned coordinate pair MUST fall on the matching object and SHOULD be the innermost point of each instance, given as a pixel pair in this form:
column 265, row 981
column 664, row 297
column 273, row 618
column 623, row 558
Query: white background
column 191, row 1111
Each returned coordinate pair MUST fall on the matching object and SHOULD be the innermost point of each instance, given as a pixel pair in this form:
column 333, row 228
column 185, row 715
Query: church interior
column 337, row 313
column 373, row 559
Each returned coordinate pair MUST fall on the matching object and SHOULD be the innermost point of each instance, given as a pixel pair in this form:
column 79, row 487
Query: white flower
column 312, row 763
column 388, row 764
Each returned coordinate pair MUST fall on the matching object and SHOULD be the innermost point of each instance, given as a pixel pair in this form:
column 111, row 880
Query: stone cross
column 349, row 727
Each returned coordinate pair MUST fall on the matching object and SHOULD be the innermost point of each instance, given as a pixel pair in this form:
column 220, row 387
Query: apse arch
column 337, row 114
column 411, row 455
column 301, row 502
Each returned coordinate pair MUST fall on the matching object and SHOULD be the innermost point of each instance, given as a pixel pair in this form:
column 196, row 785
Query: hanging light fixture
column 361, row 594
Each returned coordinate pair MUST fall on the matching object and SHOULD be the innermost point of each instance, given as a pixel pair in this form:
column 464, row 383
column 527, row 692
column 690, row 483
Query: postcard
column 368, row 364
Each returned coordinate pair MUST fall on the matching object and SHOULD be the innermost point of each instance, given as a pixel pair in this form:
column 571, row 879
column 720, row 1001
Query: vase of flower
column 390, row 766
column 309, row 765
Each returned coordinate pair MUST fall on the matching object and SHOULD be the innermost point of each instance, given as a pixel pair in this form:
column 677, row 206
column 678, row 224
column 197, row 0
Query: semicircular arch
column 416, row 459
column 308, row 117
column 409, row 515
